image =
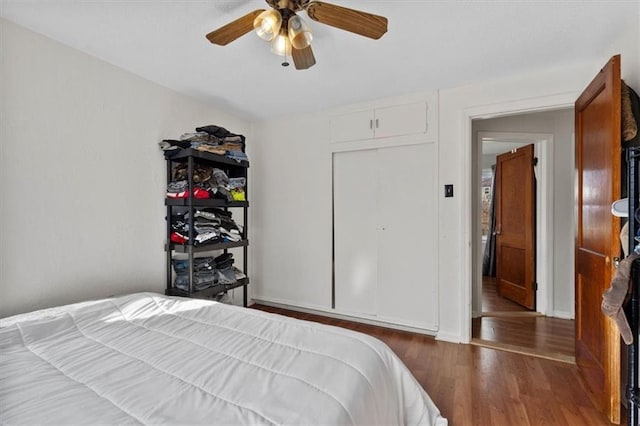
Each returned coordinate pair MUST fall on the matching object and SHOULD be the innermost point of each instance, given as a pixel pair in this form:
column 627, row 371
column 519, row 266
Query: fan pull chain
column 285, row 63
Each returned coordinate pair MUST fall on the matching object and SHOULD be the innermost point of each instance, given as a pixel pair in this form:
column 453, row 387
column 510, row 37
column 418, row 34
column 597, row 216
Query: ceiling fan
column 290, row 35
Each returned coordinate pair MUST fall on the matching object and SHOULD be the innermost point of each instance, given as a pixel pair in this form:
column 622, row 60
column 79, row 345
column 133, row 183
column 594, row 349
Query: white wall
column 628, row 46
column 81, row 175
column 561, row 124
column 290, row 214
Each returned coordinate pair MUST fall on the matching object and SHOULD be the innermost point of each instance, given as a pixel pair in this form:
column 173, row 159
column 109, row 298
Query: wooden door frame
column 543, row 149
column 540, row 104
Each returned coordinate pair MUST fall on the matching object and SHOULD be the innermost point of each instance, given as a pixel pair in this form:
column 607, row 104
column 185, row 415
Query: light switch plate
column 448, row 191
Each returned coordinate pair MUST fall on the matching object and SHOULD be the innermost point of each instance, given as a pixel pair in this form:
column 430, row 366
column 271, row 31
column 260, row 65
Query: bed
column 152, row 359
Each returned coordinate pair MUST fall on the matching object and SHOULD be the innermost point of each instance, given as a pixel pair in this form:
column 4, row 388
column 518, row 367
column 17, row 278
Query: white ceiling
column 429, row 45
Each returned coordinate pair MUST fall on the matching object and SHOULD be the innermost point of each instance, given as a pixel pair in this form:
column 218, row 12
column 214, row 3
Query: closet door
column 408, row 239
column 355, row 189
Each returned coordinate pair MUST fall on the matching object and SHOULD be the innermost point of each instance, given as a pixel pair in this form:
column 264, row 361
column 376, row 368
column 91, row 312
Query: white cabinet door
column 401, row 120
column 355, row 231
column 384, row 122
column 408, row 239
column 353, row 126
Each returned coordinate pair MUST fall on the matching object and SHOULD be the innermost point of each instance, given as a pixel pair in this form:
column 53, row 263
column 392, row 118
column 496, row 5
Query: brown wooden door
column 598, row 154
column 515, row 226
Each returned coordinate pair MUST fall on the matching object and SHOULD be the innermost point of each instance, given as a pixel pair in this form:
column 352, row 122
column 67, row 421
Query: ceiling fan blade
column 355, row 21
column 303, row 58
column 233, row 30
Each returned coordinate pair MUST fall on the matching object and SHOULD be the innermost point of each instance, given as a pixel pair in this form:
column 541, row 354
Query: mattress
column 151, row 359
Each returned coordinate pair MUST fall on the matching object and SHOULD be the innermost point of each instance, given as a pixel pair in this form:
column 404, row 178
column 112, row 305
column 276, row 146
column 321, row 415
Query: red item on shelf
column 198, row 193
column 177, row 238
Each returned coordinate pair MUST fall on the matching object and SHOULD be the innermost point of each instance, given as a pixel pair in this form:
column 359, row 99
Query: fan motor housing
column 292, row 5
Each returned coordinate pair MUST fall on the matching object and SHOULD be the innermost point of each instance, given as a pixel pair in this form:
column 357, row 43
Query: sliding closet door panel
column 355, row 231
column 408, row 238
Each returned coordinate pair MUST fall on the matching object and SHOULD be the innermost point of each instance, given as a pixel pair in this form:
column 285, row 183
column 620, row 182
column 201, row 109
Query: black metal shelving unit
column 232, row 168
column 184, row 248
column 633, row 307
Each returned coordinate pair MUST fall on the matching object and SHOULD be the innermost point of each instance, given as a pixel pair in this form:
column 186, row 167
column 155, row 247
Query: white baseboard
column 449, row 337
column 563, row 315
column 332, row 314
column 288, row 304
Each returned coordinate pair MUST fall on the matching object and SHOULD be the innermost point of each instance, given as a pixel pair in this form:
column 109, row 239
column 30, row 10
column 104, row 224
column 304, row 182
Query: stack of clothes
column 207, row 272
column 210, row 225
column 203, row 273
column 211, row 138
column 224, row 269
column 225, row 272
column 209, row 182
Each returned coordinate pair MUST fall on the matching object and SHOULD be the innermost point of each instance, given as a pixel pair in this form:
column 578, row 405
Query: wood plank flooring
column 541, row 336
column 479, row 386
column 508, row 326
column 492, row 302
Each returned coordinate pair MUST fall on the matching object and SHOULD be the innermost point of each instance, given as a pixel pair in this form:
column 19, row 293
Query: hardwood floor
column 508, row 326
column 491, row 302
column 541, row 336
column 472, row 385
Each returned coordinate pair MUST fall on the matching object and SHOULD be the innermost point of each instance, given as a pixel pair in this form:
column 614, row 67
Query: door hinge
column 535, row 161
column 534, row 285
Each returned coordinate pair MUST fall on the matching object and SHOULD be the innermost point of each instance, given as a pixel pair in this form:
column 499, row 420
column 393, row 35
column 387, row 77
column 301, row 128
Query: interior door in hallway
column 598, row 161
column 515, row 226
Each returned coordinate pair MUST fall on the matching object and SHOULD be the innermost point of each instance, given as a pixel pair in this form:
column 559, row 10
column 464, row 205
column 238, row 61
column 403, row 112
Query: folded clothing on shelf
column 201, row 172
column 210, row 138
column 209, row 182
column 210, row 225
column 203, row 273
column 224, row 269
column 221, row 133
column 179, row 189
column 207, row 272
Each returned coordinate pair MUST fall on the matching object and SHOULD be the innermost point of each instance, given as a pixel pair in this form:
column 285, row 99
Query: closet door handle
column 377, row 123
column 371, row 124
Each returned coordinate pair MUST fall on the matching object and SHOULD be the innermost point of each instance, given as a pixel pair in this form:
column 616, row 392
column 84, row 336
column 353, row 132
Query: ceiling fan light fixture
column 267, row 25
column 281, row 45
column 299, row 32
column 289, row 35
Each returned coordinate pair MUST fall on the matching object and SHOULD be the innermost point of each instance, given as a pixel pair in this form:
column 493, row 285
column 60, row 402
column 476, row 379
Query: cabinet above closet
column 413, row 118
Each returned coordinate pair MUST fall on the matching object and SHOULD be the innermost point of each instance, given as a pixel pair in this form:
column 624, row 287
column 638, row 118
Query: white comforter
column 148, row 358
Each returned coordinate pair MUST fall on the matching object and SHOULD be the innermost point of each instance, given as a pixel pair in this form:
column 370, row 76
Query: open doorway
column 544, row 328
